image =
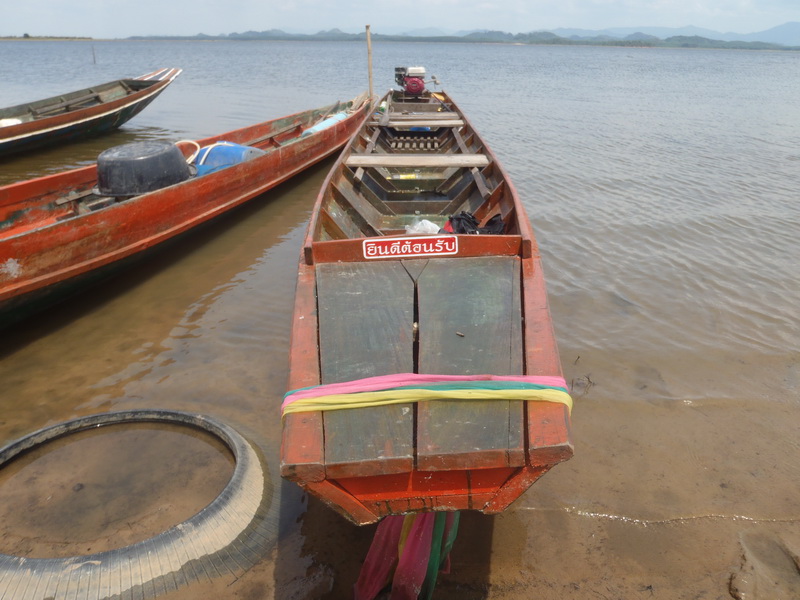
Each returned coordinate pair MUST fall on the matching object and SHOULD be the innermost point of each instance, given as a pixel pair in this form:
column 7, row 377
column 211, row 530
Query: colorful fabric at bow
column 409, row 552
column 415, row 387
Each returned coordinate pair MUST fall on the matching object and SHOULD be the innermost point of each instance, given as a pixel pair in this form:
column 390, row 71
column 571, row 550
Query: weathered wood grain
column 366, row 319
column 470, row 324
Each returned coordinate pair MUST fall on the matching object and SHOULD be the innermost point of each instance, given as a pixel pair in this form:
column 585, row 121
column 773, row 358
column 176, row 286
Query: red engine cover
column 414, row 85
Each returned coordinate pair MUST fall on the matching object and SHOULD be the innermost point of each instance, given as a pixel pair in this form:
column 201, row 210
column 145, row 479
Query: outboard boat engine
column 412, row 79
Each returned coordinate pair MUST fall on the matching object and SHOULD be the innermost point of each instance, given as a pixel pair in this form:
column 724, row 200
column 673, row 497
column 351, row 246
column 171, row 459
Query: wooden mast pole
column 369, row 60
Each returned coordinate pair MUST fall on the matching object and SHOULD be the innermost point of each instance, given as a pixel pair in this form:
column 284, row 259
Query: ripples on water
column 662, row 185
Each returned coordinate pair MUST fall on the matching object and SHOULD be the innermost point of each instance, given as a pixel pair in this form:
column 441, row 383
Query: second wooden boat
column 75, row 115
column 424, row 369
column 60, row 231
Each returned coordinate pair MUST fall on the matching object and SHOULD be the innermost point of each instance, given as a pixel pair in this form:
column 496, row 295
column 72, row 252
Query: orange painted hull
column 45, row 243
column 415, row 474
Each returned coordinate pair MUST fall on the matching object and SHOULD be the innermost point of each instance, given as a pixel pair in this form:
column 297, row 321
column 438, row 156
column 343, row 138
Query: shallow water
column 106, row 488
column 662, row 185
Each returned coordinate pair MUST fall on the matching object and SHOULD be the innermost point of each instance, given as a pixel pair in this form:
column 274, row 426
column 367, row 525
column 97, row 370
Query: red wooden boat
column 59, row 231
column 79, row 114
column 390, row 284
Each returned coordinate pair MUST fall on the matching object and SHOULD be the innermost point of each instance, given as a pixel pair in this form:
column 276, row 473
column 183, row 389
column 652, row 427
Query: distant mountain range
column 787, row 34
column 782, row 37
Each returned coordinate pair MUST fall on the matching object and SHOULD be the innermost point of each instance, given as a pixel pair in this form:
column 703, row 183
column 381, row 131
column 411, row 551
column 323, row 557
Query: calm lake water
column 663, row 188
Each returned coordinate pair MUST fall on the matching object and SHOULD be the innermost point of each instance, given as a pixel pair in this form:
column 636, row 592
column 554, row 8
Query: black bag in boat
column 465, row 222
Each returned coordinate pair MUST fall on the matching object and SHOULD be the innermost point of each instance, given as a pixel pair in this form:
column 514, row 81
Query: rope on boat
column 408, row 552
column 415, row 387
column 192, row 156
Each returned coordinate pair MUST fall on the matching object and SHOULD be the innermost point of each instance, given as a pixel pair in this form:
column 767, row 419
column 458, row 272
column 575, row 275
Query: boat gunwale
column 72, row 229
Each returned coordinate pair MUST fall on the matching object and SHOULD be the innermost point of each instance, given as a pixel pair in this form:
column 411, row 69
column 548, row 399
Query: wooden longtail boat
column 58, row 231
column 375, row 298
column 79, row 114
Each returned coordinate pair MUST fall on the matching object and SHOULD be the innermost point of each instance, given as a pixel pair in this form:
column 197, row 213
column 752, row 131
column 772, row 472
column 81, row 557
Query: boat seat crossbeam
column 442, row 161
column 433, row 123
column 427, row 114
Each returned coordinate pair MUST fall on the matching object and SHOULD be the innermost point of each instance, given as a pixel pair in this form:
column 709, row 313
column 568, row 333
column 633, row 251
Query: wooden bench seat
column 438, row 161
column 439, row 115
column 405, row 124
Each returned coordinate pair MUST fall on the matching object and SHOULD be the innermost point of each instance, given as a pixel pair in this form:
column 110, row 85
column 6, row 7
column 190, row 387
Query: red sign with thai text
column 411, row 247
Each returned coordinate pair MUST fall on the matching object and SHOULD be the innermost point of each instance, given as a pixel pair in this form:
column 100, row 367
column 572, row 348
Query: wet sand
column 655, row 504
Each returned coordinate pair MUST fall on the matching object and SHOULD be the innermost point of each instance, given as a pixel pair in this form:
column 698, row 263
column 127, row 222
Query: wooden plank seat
column 428, row 114
column 404, row 124
column 437, row 161
column 469, row 323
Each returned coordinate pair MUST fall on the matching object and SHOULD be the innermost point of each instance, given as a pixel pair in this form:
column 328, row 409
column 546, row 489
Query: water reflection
column 71, row 156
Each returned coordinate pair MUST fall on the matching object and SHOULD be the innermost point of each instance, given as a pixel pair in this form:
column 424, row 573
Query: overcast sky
column 123, row 18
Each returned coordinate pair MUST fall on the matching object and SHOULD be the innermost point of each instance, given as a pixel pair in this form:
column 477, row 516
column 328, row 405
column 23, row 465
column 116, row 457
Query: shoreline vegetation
column 636, row 40
column 39, row 38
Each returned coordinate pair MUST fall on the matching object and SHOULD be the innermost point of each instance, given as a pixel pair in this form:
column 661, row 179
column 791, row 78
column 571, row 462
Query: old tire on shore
column 226, row 537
